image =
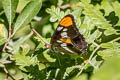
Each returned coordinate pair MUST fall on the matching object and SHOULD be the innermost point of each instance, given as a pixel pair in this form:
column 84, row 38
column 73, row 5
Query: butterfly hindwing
column 67, row 38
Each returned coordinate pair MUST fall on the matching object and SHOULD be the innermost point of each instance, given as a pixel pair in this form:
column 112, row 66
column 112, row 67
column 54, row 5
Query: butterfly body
column 67, row 38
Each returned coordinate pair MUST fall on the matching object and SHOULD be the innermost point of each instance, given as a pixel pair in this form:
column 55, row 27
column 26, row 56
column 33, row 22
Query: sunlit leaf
column 110, row 45
column 105, row 54
column 10, row 7
column 3, row 34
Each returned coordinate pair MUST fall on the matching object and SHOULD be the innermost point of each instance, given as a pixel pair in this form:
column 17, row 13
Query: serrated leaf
column 10, row 7
column 95, row 35
column 56, row 14
column 110, row 31
column 116, row 6
column 27, row 14
column 96, row 16
column 107, row 7
column 105, row 54
column 23, row 60
column 53, row 19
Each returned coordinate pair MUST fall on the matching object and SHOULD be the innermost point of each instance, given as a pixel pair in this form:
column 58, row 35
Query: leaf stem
column 37, row 34
column 10, row 36
column 4, row 48
column 7, row 73
column 10, row 30
column 65, row 6
column 114, row 40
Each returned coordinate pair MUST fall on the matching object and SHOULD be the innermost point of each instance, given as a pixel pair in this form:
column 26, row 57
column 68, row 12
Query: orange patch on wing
column 66, row 40
column 66, row 22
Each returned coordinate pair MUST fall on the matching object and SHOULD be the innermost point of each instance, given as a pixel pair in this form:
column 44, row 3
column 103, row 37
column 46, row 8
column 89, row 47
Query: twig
column 38, row 35
column 69, row 5
column 6, row 44
column 65, row 6
column 7, row 73
column 10, row 30
column 47, row 45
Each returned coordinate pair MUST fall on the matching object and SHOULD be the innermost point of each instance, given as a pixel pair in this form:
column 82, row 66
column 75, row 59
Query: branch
column 7, row 73
column 47, row 45
column 65, row 6
column 10, row 36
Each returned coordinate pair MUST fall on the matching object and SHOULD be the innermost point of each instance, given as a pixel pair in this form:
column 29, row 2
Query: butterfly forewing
column 67, row 38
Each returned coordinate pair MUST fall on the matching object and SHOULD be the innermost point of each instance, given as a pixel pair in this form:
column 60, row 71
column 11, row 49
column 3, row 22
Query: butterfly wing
column 67, row 38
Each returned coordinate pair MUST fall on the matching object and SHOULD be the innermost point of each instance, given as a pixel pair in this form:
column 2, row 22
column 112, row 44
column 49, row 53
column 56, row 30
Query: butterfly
column 67, row 39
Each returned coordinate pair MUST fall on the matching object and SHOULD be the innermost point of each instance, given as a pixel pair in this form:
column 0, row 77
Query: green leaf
column 53, row 18
column 111, row 52
column 81, row 77
column 23, row 60
column 16, row 45
column 56, row 14
column 110, row 45
column 10, row 7
column 95, row 63
column 60, row 2
column 116, row 6
column 3, row 59
column 41, row 43
column 110, row 70
column 110, row 31
column 86, row 1
column 3, row 34
column 25, row 49
column 27, row 14
column 47, row 56
column 107, row 7
column 95, row 35
column 97, row 17
column 47, row 30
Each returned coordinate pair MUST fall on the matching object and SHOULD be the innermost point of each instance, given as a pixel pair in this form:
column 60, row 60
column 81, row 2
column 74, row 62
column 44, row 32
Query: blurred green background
column 97, row 20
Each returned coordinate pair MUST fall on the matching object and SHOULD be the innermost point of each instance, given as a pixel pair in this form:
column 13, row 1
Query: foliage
column 26, row 57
